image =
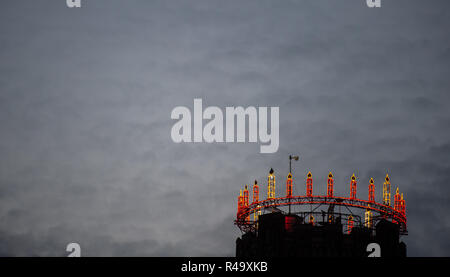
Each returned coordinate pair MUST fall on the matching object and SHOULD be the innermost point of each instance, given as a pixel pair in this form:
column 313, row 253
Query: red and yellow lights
column 387, row 191
column 350, row 223
column 309, row 185
column 330, row 185
column 311, row 220
column 246, row 196
column 289, row 185
column 240, row 203
column 255, row 192
column 271, row 185
column 372, row 210
column 368, row 218
column 353, row 187
column 246, row 201
column 257, row 213
column 397, row 202
column 402, row 205
column 371, row 191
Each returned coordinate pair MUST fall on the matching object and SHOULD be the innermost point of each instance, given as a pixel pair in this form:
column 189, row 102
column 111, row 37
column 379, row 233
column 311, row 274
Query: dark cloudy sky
column 86, row 95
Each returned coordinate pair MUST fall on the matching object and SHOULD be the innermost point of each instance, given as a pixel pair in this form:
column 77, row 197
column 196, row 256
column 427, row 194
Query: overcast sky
column 86, row 96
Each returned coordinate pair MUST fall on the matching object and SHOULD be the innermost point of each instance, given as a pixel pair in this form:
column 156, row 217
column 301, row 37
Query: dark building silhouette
column 287, row 235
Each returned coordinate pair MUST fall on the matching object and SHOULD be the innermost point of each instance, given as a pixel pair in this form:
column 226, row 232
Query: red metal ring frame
column 383, row 210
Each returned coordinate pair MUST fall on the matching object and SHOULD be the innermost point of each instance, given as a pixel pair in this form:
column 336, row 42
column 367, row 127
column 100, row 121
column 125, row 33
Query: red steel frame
column 382, row 210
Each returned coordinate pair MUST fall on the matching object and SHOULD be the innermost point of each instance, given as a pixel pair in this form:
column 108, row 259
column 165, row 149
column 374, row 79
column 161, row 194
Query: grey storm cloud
column 86, row 96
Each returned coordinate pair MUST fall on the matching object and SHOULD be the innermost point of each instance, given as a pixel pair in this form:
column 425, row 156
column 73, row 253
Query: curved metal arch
column 382, row 210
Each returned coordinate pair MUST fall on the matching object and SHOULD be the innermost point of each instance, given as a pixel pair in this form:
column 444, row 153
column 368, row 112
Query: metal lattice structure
column 307, row 205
